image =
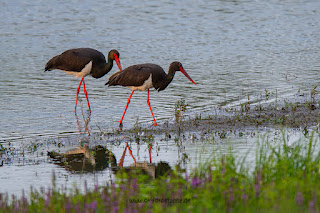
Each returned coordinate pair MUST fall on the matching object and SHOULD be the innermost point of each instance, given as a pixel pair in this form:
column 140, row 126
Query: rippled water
column 232, row 49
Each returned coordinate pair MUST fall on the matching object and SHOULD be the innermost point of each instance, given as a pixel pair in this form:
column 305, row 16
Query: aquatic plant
column 179, row 108
column 285, row 177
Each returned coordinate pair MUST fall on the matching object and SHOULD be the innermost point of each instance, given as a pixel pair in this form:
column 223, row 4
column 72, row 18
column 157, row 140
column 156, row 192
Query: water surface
column 233, row 50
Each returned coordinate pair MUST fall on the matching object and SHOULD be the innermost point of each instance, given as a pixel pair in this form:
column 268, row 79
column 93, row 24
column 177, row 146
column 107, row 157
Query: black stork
column 81, row 62
column 143, row 77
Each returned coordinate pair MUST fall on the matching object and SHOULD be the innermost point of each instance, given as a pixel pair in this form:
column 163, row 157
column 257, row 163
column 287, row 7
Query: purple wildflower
column 123, row 187
column 180, row 194
column 115, row 204
column 67, row 206
column 312, row 204
column 16, row 207
column 196, row 181
column 134, row 183
column 224, row 193
column 141, row 205
column 115, row 209
column 259, row 177
column 106, row 199
column 244, row 196
column 114, row 195
column 169, row 186
column 231, row 195
column 258, row 183
column 299, row 198
column 77, row 208
column 257, row 189
column 186, row 176
column 223, row 171
column 47, row 200
column 93, row 205
column 24, row 199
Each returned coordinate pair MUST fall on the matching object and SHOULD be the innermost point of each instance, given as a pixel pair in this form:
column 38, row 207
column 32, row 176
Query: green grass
column 285, row 178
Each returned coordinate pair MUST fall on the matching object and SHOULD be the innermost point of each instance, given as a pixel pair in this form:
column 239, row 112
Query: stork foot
column 120, row 125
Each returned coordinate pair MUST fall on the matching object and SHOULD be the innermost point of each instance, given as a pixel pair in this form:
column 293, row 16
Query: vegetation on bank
column 285, row 178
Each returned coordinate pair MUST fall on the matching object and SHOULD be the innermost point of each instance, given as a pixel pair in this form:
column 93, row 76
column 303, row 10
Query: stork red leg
column 120, row 122
column 155, row 123
column 75, row 108
column 83, row 62
column 85, row 92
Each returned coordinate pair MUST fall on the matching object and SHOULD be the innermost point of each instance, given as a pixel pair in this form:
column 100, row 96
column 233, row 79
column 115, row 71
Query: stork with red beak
column 143, row 77
column 81, row 62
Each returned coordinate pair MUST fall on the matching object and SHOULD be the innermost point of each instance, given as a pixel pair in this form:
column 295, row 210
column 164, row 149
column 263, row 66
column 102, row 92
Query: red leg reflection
column 130, row 152
column 124, row 154
column 122, row 157
column 150, row 147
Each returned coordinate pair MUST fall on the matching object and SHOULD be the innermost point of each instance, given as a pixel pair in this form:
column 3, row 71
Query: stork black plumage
column 81, row 62
column 143, row 77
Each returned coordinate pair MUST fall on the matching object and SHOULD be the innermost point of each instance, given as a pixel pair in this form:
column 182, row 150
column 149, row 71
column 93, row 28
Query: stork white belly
column 146, row 85
column 84, row 72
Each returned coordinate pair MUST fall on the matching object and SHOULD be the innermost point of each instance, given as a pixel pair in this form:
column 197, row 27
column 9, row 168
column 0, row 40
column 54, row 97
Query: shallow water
column 232, row 50
column 27, row 164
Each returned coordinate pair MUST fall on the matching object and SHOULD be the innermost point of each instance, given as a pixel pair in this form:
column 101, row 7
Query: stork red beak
column 116, row 58
column 186, row 74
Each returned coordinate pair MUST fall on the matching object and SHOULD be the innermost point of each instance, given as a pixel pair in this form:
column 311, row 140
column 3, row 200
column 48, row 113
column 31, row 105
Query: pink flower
column 196, row 182
column 299, row 198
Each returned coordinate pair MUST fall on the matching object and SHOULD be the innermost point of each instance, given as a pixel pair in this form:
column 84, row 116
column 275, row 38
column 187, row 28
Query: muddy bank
column 243, row 120
column 298, row 115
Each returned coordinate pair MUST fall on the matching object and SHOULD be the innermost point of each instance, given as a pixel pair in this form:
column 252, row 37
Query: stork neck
column 109, row 65
column 170, row 75
column 169, row 78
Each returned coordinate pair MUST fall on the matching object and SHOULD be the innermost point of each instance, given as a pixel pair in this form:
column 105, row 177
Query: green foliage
column 285, row 178
column 179, row 108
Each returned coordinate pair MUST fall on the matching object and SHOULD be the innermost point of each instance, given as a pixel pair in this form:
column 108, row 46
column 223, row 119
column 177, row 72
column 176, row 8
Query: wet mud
column 297, row 116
